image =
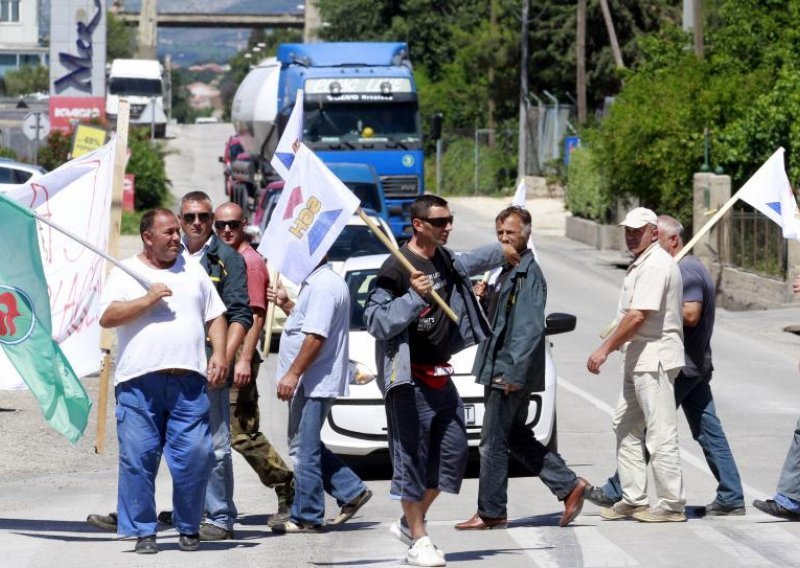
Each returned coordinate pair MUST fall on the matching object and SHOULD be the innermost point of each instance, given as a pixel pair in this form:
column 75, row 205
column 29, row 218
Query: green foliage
column 496, row 168
column 147, row 164
column 27, row 79
column 6, row 152
column 55, row 152
column 130, row 222
column 120, row 39
column 181, row 111
column 586, row 193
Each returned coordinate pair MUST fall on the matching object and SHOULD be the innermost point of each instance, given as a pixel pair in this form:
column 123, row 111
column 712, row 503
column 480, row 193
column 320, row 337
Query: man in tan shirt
column 650, row 336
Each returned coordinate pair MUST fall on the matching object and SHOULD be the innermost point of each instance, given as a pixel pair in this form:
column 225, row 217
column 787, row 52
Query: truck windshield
column 393, row 125
column 134, row 86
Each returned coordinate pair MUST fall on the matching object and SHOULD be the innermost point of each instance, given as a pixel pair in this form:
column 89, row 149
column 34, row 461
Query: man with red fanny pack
column 414, row 341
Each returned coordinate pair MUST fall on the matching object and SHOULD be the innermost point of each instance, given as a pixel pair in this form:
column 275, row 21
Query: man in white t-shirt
column 160, row 379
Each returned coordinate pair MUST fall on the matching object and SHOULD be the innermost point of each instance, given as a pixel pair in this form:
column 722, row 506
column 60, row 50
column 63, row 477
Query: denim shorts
column 427, row 440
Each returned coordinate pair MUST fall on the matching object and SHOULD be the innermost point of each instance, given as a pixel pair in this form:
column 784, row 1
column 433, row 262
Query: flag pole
column 270, row 317
column 107, row 337
column 403, row 260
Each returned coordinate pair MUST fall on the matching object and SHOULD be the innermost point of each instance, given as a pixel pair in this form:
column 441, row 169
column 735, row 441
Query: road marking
column 686, row 456
column 601, row 551
column 554, row 547
column 730, row 544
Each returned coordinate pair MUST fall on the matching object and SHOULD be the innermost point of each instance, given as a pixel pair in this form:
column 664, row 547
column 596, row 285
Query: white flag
column 77, row 197
column 311, row 212
column 769, row 191
column 293, row 133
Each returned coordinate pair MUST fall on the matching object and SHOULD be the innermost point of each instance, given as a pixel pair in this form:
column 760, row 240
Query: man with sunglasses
column 246, row 438
column 414, row 342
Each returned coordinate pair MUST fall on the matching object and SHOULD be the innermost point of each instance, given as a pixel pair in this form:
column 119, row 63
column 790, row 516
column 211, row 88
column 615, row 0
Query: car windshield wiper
column 395, row 143
column 339, row 144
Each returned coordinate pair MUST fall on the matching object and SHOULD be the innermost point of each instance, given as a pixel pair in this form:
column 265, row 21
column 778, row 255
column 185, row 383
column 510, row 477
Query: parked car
column 356, row 425
column 14, row 174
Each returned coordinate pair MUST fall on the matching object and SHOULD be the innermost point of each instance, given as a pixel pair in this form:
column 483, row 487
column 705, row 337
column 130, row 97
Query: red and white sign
column 66, row 111
column 128, row 192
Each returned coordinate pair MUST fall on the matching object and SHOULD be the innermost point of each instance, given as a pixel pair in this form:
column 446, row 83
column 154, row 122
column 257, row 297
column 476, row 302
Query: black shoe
column 350, row 509
column 189, row 542
column 103, row 522
column 770, row 507
column 165, row 517
column 146, row 545
column 716, row 509
column 597, row 496
column 213, row 532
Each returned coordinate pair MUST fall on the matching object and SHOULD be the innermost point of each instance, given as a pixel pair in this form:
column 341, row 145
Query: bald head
column 670, row 234
column 229, row 224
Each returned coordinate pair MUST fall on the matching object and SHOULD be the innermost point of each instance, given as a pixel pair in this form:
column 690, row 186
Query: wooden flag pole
column 404, row 261
column 107, row 336
column 270, row 318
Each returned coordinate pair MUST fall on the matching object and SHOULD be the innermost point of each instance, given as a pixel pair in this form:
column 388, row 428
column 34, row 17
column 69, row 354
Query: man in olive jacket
column 511, row 365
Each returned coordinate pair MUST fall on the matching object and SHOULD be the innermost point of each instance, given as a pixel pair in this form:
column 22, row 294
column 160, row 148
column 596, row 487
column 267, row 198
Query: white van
column 140, row 81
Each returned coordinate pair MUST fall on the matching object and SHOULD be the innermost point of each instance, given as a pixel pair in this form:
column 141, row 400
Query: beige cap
column 639, row 217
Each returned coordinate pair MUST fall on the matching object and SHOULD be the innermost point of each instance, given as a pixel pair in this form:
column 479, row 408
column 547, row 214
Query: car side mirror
column 556, row 323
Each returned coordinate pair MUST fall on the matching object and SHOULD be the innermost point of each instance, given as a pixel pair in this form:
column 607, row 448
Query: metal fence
column 547, row 127
column 757, row 244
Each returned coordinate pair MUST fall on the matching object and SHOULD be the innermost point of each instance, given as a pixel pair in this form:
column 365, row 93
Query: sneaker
column 424, row 553
column 771, row 507
column 213, row 532
column 103, row 522
column 621, row 510
column 298, row 527
column 146, row 545
column 716, row 509
column 280, row 517
column 659, row 514
column 597, row 496
column 189, row 542
column 350, row 509
column 400, row 530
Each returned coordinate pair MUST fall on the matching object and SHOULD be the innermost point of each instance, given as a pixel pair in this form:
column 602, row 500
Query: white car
column 356, row 425
column 15, row 174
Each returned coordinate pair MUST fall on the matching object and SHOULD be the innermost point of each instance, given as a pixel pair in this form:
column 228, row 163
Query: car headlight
column 360, row 374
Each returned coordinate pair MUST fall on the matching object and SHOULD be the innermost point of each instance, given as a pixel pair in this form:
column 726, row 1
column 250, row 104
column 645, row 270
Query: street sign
column 29, row 126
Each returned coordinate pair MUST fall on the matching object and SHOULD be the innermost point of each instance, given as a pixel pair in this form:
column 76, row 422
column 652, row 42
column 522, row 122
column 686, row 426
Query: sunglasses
column 438, row 222
column 191, row 217
column 234, row 225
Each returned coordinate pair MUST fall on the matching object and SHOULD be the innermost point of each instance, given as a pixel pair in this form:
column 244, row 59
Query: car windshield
column 360, row 283
column 134, row 86
column 355, row 240
column 395, row 126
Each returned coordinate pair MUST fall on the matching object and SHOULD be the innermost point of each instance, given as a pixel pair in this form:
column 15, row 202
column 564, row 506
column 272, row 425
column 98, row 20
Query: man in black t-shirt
column 414, row 343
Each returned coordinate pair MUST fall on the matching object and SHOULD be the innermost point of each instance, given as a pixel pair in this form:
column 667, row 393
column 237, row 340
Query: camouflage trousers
column 247, row 439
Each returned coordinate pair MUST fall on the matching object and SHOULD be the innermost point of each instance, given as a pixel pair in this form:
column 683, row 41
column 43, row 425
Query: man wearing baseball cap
column 650, row 336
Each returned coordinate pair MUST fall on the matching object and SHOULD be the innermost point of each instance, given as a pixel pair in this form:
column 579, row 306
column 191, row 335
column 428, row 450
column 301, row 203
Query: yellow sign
column 87, row 139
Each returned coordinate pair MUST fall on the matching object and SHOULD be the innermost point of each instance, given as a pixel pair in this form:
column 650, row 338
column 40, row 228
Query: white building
column 19, row 35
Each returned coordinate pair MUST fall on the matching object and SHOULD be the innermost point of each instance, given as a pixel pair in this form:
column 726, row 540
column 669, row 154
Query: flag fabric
column 77, row 197
column 293, row 133
column 769, row 191
column 312, row 210
column 25, row 326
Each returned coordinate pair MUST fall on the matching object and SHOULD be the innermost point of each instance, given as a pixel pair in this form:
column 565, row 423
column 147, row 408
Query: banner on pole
column 769, row 191
column 293, row 133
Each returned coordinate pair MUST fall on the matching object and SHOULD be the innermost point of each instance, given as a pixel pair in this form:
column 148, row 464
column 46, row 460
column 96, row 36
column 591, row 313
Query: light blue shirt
column 322, row 308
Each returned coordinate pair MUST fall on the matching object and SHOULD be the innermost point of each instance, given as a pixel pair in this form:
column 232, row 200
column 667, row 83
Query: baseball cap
column 639, row 217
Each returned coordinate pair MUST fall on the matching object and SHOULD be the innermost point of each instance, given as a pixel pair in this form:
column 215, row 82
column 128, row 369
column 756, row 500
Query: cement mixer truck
column 360, row 106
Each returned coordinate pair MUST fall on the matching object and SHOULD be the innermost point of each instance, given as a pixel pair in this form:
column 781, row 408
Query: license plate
column 469, row 414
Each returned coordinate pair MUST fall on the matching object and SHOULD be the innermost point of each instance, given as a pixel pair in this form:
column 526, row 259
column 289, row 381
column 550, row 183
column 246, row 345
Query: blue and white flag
column 313, row 209
column 769, row 191
column 292, row 135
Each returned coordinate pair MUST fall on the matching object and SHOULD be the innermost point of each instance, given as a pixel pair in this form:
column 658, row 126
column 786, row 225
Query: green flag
column 25, row 327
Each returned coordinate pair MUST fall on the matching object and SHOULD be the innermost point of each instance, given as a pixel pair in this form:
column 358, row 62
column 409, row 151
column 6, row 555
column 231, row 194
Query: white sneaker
column 400, row 530
column 424, row 553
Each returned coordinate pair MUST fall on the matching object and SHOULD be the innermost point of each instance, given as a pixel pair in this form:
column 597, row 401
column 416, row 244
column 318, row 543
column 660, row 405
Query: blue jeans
column 317, row 470
column 789, row 482
column 159, row 413
column 504, row 431
column 693, row 394
column 220, row 509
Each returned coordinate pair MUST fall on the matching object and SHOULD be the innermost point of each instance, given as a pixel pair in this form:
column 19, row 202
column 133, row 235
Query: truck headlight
column 360, row 374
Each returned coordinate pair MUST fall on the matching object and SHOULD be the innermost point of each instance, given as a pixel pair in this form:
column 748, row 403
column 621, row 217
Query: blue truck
column 360, row 105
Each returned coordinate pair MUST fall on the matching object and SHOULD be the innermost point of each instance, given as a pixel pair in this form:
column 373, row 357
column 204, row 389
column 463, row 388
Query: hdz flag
column 769, row 191
column 25, row 329
column 292, row 134
column 311, row 212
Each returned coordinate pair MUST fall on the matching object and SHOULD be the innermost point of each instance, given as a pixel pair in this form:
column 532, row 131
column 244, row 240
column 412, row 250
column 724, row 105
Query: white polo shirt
column 653, row 285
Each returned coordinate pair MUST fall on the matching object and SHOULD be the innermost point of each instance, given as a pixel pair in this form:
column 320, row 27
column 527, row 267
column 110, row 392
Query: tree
column 27, row 79
column 120, row 39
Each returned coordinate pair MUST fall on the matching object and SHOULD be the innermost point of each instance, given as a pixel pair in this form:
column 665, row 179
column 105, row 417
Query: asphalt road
column 47, row 488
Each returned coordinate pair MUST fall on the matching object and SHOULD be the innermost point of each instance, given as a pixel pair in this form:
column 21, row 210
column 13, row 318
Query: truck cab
column 141, row 82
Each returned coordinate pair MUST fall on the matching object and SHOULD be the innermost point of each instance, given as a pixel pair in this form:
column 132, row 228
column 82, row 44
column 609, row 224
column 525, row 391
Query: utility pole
column 522, row 158
column 581, row 58
column 148, row 30
column 612, row 35
column 697, row 10
column 491, row 74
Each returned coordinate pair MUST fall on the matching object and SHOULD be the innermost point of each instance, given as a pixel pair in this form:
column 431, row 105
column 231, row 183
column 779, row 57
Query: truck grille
column 137, row 110
column 400, row 186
